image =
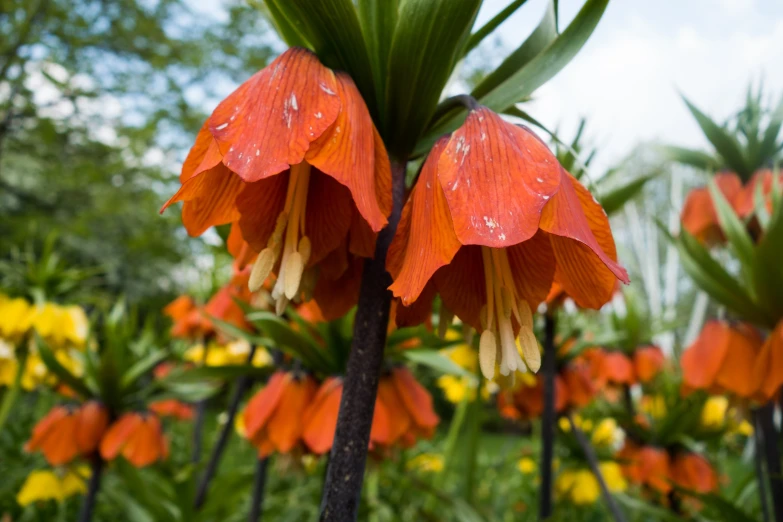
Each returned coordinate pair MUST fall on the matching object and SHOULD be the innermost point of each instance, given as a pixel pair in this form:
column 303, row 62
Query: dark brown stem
column 242, row 385
column 345, row 474
column 592, row 460
column 259, row 487
column 88, row 505
column 769, row 434
column 548, row 417
column 758, row 453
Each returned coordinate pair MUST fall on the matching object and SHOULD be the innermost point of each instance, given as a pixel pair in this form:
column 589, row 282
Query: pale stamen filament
column 288, row 243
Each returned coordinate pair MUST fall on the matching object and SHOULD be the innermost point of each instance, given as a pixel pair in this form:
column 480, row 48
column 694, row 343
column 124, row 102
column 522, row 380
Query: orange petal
column 117, row 435
column 179, row 307
column 46, row 426
column 654, row 468
column 431, row 243
column 321, row 416
column 60, row 447
column 270, row 121
column 618, row 368
column 461, row 285
column 240, row 250
column 736, row 371
column 93, row 421
column 698, row 213
column 417, row 313
column 286, row 423
column 335, row 297
column 497, row 177
column 693, row 472
column 380, row 432
column 586, row 270
column 363, row 239
column 532, row 265
column 768, row 371
column 259, row 205
column 328, row 215
column 260, row 407
column 203, row 156
column 210, row 199
column 416, row 398
column 703, row 359
column 648, row 361
column 562, row 396
column 399, row 417
column 346, row 151
column 383, row 175
column 144, row 445
column 579, row 386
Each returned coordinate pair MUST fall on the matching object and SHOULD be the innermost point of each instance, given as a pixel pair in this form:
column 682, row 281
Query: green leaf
column 332, row 29
column 285, row 29
column 691, row 157
column 427, row 42
column 643, row 508
column 720, row 508
column 769, row 145
column 219, row 373
column 767, row 266
column 140, row 368
column 477, row 37
column 734, row 229
column 614, row 200
column 437, row 361
column 543, row 35
column 725, row 144
column 378, row 20
column 59, row 371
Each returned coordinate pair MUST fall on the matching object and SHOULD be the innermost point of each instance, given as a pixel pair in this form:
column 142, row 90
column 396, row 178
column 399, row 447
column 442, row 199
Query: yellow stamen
column 487, row 353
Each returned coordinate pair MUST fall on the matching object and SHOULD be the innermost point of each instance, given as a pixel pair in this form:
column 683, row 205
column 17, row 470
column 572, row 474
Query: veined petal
column 737, row 370
column 768, row 371
column 286, row 424
column 496, row 177
column 210, row 199
column 431, row 243
column 703, row 359
column 462, row 286
column 270, row 121
column 328, row 217
column 420, row 311
column 415, row 397
column 532, row 265
column 259, row 205
column 575, row 221
column 321, row 416
column 118, row 434
column 264, row 402
column 335, row 297
column 204, row 155
column 399, row 418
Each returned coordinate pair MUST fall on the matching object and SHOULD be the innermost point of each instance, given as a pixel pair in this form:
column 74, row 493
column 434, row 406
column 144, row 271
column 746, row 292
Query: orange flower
column 526, row 401
column 172, row 408
column 189, row 321
column 293, row 156
column 723, row 358
column 618, row 369
column 274, row 417
column 648, row 361
column 403, row 409
column 698, row 213
column 693, row 472
column 65, row 432
column 138, row 437
column 491, row 223
column 768, row 369
column 647, row 465
column 579, row 386
column 745, row 202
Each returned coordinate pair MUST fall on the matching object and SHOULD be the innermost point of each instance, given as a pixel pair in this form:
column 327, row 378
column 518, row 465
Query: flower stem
column 259, row 486
column 88, row 505
column 12, row 394
column 343, row 487
column 548, row 417
column 758, row 454
column 769, row 435
column 592, row 460
column 241, row 386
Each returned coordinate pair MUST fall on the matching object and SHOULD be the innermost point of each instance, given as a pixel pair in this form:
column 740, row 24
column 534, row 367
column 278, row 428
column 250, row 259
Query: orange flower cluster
column 734, row 358
column 655, row 468
column 136, row 436
column 293, row 412
column 68, row 432
column 617, row 368
column 699, row 217
column 293, row 158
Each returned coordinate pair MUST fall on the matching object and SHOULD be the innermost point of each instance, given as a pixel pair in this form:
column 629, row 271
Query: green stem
column 373, row 494
column 9, row 399
column 474, row 435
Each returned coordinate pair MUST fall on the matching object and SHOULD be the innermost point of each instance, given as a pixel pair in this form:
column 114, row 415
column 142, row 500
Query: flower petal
column 259, row 205
column 204, row 155
column 270, row 121
column 618, row 368
column 328, row 216
column 648, row 361
column 264, row 402
column 118, row 434
column 399, row 418
column 335, row 297
column 497, row 177
column 321, row 416
column 462, row 287
column 346, row 151
column 431, row 243
column 416, row 398
column 532, row 265
column 286, row 424
column 768, row 371
column 736, row 371
column 703, row 359
column 583, row 245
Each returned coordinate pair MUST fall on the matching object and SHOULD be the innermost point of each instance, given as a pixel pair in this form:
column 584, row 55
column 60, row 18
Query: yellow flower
column 580, row 486
column 426, row 462
column 8, row 364
column 35, row 372
column 608, row 434
column 456, row 389
column 239, row 424
column 526, row 466
column 744, row 428
column 565, row 426
column 654, row 406
column 462, row 355
column 713, row 414
column 60, row 326
column 613, row 476
column 16, row 318
column 45, row 485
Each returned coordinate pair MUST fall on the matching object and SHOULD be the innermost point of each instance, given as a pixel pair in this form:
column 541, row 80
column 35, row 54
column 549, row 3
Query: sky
column 626, row 80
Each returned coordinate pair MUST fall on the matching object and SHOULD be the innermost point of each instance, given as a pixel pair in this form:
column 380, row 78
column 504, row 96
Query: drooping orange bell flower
column 763, row 180
column 172, row 408
column 492, row 221
column 648, row 361
column 693, row 472
column 646, row 465
column 525, row 401
column 768, row 369
column 274, row 417
column 136, row 436
column 189, row 320
column 66, row 432
column 618, row 369
column 698, row 215
column 580, row 388
column 293, row 156
column 407, row 408
column 723, row 358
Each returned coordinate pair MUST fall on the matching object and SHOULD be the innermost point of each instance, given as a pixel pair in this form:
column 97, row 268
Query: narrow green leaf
column 427, row 41
column 734, row 229
column 220, row 373
column 691, row 157
column 60, row 372
column 614, row 200
column 769, row 145
column 378, row 20
column 725, row 144
column 488, row 28
column 767, row 267
column 760, row 207
column 543, row 35
column 720, row 508
column 437, row 361
column 140, row 368
column 285, row 29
